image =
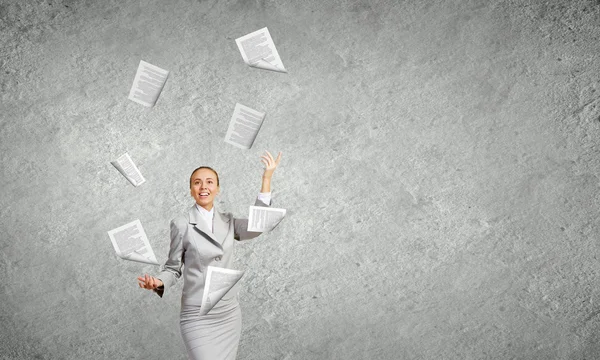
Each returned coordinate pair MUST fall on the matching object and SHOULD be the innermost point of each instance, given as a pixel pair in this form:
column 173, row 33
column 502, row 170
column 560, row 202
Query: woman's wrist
column 266, row 184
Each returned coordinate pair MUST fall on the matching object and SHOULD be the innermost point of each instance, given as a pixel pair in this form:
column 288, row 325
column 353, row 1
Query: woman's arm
column 241, row 225
column 270, row 166
column 171, row 270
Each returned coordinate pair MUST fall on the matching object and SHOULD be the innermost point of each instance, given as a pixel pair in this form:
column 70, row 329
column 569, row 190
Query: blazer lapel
column 220, row 225
column 196, row 220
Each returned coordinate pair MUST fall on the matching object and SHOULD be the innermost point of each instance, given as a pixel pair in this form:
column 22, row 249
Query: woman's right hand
column 149, row 282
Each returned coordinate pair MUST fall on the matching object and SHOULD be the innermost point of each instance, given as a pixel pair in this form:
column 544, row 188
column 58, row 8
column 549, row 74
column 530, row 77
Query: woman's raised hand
column 270, row 163
column 149, row 282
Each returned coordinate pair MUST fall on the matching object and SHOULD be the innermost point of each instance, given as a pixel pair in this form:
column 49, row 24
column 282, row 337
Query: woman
column 200, row 238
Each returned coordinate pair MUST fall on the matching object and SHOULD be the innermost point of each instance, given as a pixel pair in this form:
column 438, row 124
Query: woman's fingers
column 268, row 160
column 153, row 282
column 267, row 164
column 141, row 281
column 269, row 154
column 278, row 159
column 148, row 282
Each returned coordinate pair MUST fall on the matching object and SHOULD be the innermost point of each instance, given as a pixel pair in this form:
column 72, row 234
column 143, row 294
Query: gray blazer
column 194, row 245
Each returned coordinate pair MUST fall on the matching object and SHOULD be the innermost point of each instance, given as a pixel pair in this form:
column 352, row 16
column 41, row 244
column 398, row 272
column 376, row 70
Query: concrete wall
column 440, row 172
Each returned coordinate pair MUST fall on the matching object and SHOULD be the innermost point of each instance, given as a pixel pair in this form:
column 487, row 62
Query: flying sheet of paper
column 128, row 169
column 243, row 126
column 264, row 218
column 131, row 243
column 148, row 83
column 218, row 282
column 258, row 50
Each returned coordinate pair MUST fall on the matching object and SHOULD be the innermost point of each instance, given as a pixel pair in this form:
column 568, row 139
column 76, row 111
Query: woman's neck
column 206, row 207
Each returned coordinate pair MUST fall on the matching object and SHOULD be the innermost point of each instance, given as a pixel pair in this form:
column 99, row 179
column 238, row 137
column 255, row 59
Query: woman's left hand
column 270, row 164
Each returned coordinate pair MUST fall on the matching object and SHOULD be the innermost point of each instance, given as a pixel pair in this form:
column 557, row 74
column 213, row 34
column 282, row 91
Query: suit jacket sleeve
column 241, row 225
column 171, row 270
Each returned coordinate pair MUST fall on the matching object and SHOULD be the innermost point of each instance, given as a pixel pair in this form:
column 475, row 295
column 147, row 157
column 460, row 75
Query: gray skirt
column 214, row 336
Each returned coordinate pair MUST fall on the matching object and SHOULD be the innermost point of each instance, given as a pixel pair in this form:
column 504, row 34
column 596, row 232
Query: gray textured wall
column 440, row 171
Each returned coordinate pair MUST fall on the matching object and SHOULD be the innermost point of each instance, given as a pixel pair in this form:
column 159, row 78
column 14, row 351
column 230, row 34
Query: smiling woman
column 201, row 238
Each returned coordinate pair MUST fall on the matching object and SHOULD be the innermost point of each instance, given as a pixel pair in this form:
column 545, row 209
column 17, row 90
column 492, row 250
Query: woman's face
column 204, row 187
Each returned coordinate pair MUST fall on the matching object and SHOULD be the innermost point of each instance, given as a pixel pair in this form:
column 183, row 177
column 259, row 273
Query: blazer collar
column 220, row 224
